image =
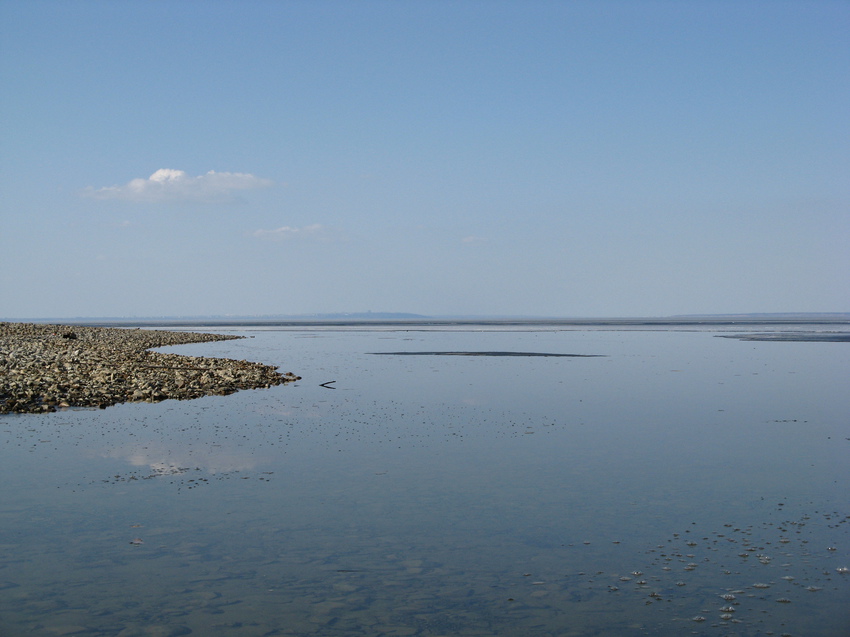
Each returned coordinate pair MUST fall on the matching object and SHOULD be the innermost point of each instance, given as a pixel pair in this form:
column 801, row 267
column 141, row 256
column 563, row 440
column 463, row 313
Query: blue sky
column 512, row 158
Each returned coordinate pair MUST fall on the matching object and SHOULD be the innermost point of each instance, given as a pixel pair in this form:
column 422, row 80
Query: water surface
column 621, row 490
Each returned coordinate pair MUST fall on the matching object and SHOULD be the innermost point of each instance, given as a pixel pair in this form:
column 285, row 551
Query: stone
column 42, row 367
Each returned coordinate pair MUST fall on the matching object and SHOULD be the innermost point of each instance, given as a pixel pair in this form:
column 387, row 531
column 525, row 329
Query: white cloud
column 474, row 239
column 288, row 232
column 167, row 185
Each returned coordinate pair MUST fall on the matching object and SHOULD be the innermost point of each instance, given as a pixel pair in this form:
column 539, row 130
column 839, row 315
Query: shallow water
column 617, row 493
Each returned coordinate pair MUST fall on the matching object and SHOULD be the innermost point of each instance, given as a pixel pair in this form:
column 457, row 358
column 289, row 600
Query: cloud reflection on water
column 162, row 461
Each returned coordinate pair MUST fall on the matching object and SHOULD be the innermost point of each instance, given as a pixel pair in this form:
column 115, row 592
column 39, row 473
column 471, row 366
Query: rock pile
column 43, row 367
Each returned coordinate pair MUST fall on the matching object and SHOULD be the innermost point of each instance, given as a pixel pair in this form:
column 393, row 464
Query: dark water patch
column 483, row 354
column 803, row 337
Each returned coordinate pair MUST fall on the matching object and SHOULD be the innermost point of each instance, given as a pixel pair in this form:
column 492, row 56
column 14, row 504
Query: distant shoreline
column 392, row 318
column 355, row 320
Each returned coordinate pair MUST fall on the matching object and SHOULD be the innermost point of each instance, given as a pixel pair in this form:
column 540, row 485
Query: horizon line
column 407, row 316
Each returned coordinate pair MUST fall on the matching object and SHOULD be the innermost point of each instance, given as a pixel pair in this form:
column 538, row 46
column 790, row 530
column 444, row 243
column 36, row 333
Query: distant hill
column 349, row 316
column 223, row 319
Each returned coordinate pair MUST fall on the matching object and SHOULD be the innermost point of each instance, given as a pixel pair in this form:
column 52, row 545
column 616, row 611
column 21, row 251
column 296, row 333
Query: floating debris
column 674, row 579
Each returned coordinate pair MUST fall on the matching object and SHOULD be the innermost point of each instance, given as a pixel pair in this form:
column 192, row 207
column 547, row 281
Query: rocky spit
column 46, row 367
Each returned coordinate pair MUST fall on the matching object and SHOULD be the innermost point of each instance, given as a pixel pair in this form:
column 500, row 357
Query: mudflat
column 44, row 367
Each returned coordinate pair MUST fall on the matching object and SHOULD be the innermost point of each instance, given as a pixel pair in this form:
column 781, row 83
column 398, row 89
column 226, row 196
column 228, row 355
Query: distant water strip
column 482, row 354
column 829, row 337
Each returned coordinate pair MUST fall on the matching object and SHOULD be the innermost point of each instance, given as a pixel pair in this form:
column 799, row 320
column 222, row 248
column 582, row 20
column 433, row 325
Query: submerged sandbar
column 483, row 354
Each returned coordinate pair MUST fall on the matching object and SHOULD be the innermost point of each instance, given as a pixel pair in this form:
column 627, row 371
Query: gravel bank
column 44, row 367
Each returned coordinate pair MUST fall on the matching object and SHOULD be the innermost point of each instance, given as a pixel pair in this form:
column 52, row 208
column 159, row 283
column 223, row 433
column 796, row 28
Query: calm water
column 621, row 494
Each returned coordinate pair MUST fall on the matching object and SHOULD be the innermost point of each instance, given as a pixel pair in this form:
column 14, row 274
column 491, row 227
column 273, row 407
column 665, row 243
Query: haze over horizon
column 574, row 159
column 407, row 317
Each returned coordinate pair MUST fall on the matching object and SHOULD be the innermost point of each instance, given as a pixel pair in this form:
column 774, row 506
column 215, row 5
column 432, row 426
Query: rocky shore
column 45, row 367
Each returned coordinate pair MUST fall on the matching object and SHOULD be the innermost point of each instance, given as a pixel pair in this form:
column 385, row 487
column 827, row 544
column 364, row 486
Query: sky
column 534, row 158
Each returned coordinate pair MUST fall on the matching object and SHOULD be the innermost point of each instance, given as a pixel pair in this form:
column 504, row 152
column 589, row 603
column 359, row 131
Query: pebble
column 44, row 367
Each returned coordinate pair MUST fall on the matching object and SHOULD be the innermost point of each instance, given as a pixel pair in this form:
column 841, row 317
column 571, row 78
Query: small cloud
column 167, row 185
column 475, row 240
column 285, row 233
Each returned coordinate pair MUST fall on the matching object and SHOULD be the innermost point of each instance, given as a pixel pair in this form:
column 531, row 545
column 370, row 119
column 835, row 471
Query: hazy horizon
column 577, row 159
column 406, row 316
